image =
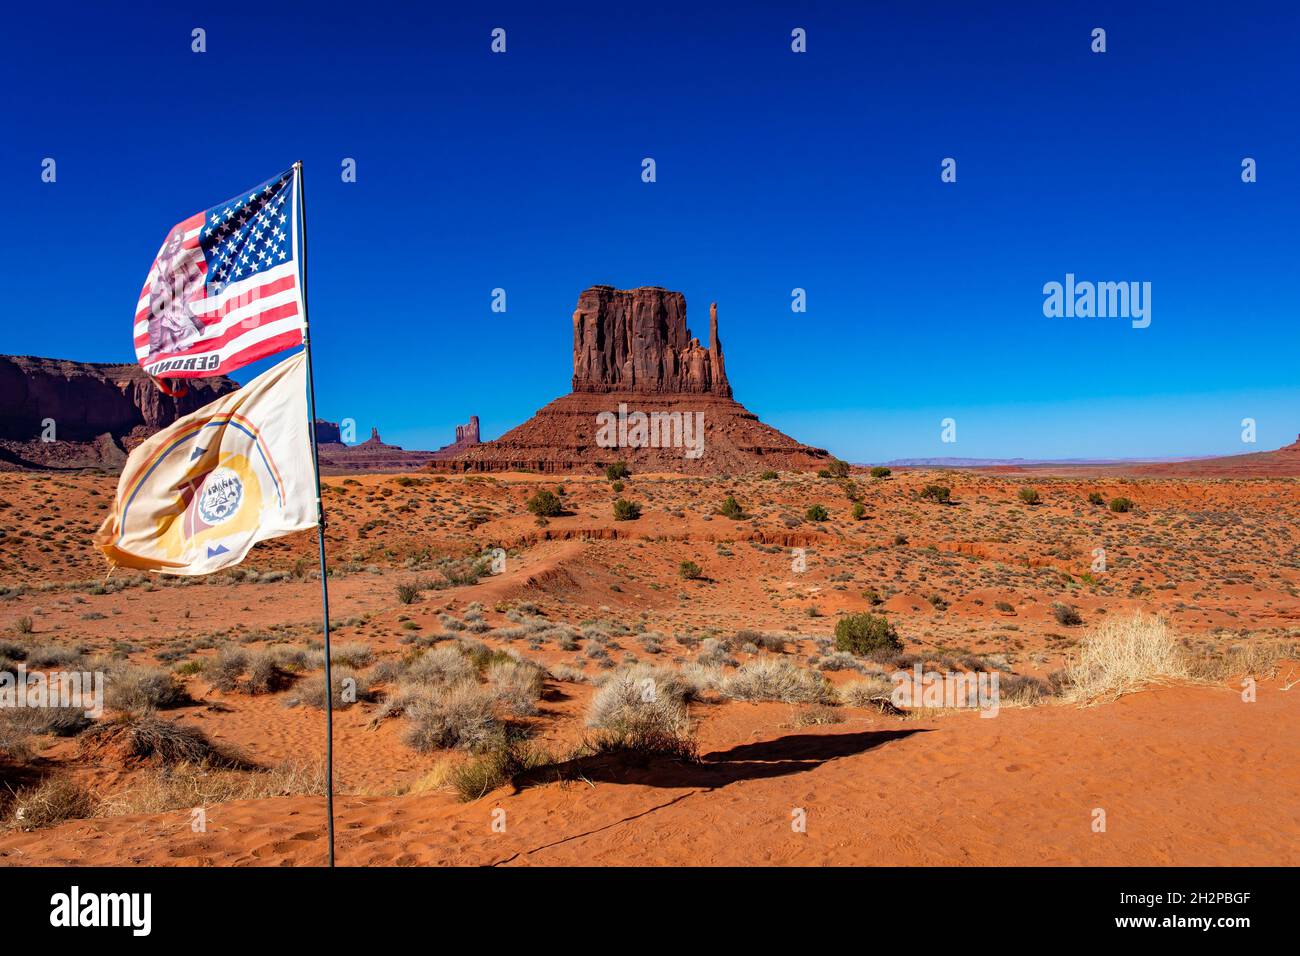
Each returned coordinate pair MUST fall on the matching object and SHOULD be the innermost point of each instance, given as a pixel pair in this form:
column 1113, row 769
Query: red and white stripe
column 246, row 321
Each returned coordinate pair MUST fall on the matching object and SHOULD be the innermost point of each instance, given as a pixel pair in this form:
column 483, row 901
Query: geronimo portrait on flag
column 224, row 290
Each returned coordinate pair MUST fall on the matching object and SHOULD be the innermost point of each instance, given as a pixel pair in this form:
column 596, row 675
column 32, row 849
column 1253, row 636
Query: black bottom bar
column 930, row 907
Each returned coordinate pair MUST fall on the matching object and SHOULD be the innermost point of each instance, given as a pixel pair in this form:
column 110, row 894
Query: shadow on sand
column 794, row 753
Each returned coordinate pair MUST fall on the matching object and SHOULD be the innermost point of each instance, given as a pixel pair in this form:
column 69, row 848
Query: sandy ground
column 1184, row 774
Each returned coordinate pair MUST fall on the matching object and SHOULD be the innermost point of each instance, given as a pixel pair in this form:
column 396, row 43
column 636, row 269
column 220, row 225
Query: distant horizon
column 1086, row 184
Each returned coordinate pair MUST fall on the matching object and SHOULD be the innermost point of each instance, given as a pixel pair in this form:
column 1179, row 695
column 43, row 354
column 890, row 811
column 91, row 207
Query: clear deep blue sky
column 775, row 171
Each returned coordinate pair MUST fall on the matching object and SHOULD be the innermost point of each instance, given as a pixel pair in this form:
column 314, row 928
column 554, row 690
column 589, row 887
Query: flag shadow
column 784, row 756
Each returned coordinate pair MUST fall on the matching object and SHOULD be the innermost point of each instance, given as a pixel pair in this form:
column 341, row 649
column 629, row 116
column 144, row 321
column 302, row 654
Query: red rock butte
column 645, row 392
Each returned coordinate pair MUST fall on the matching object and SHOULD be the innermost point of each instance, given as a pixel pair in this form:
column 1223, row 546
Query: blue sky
column 775, row 170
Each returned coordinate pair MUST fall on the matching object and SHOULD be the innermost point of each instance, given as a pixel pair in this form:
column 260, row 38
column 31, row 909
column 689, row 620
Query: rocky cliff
column 60, row 413
column 636, row 340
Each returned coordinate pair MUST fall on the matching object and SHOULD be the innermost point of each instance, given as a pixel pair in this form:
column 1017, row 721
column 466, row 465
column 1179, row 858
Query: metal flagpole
column 320, row 518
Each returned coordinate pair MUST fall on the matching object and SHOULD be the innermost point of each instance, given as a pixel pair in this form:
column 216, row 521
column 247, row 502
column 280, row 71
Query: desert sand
column 1185, row 770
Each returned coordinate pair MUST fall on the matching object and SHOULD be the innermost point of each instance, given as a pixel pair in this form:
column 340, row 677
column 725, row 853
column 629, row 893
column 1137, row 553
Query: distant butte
column 633, row 353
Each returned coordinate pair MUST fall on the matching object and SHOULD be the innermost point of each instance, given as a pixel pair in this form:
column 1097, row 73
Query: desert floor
column 1185, row 771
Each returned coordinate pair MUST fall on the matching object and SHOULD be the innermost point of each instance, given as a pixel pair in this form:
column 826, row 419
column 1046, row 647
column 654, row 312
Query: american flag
column 223, row 290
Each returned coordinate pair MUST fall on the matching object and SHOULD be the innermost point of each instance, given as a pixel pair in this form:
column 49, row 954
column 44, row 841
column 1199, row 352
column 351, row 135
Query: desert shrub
column 1096, row 498
column 768, row 475
column 407, row 593
column 1122, row 654
column 51, row 656
column 934, row 492
column 20, row 722
column 1121, row 504
column 458, row 716
column 568, row 674
column 346, row 688
column 880, row 471
column 144, row 688
column 24, row 625
column 873, row 597
column 816, row 513
column 730, row 508
column 1004, row 606
column 545, row 504
column 353, row 655
column 478, row 777
column 859, row 511
column 768, row 642
column 224, row 670
column 628, row 719
column 11, row 651
column 1066, row 614
column 839, row 661
column 50, row 802
column 265, row 675
column 148, row 736
column 865, row 692
column 292, row 659
column 866, row 634
column 625, row 510
column 658, row 681
column 714, row 653
column 185, row 785
column 776, row 678
column 1029, row 496
column 617, row 470
column 1023, row 689
column 616, row 487
column 837, row 469
column 690, row 571
column 517, row 685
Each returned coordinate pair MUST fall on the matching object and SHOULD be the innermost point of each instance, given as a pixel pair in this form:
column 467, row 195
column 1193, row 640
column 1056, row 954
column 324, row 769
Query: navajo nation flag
column 195, row 497
column 224, row 289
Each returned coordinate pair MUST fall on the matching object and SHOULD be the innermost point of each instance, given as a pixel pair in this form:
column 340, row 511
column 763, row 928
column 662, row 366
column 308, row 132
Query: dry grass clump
column 459, row 716
column 517, row 685
column 224, row 670
column 495, row 768
column 442, row 666
column 1121, row 655
column 635, row 712
column 355, row 655
column 150, row 737
column 867, row 692
column 715, row 653
column 186, row 785
column 1210, row 661
column 50, row 802
column 569, row 674
column 1023, row 690
column 144, row 688
column 50, row 656
column 19, row 722
column 775, row 678
column 265, row 675
column 347, row 687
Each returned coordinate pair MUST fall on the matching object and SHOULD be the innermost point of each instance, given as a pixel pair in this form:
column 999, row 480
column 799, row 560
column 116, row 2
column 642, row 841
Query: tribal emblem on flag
column 223, row 290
